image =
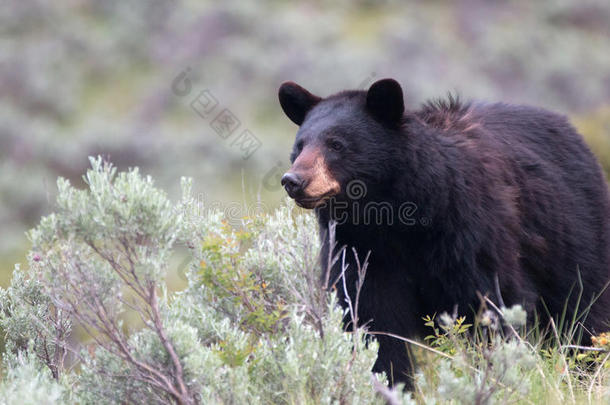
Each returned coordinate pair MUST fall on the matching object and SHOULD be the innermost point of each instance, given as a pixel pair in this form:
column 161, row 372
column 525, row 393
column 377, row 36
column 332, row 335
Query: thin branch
column 167, row 345
column 565, row 363
column 585, row 348
column 595, row 376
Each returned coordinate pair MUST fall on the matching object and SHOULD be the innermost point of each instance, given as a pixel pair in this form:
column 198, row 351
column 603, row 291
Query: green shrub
column 27, row 382
column 251, row 327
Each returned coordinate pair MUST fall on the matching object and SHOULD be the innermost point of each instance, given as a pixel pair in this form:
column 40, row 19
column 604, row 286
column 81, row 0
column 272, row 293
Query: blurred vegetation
column 83, row 77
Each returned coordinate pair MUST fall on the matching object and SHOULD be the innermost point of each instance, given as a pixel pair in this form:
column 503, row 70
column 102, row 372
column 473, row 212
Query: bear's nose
column 292, row 183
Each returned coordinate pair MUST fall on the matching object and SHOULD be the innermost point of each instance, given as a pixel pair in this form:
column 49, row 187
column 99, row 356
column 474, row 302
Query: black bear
column 451, row 200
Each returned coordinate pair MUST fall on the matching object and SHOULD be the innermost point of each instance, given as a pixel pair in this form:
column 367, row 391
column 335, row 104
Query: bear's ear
column 296, row 101
column 384, row 100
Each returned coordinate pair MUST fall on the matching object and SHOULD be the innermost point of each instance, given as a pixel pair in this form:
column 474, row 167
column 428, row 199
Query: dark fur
column 511, row 191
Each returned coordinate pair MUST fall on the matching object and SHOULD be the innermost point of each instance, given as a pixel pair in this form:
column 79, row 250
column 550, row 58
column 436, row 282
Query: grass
column 547, row 368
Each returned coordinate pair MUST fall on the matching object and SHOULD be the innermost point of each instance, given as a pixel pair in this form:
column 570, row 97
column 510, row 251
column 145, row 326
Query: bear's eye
column 335, row 145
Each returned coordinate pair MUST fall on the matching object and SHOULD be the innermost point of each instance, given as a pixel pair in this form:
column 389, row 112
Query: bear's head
column 346, row 137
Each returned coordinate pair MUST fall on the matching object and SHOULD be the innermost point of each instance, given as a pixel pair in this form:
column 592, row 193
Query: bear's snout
column 293, row 184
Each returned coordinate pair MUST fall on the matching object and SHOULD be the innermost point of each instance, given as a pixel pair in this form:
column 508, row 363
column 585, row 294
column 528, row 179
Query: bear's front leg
column 394, row 360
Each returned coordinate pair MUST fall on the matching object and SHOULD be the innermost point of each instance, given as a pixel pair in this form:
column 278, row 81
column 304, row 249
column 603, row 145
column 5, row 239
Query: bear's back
column 563, row 197
column 550, row 156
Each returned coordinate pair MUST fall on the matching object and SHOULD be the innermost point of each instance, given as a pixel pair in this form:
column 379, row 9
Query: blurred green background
column 86, row 77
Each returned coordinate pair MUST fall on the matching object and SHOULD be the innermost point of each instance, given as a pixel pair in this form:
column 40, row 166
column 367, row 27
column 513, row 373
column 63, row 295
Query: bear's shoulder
column 452, row 113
